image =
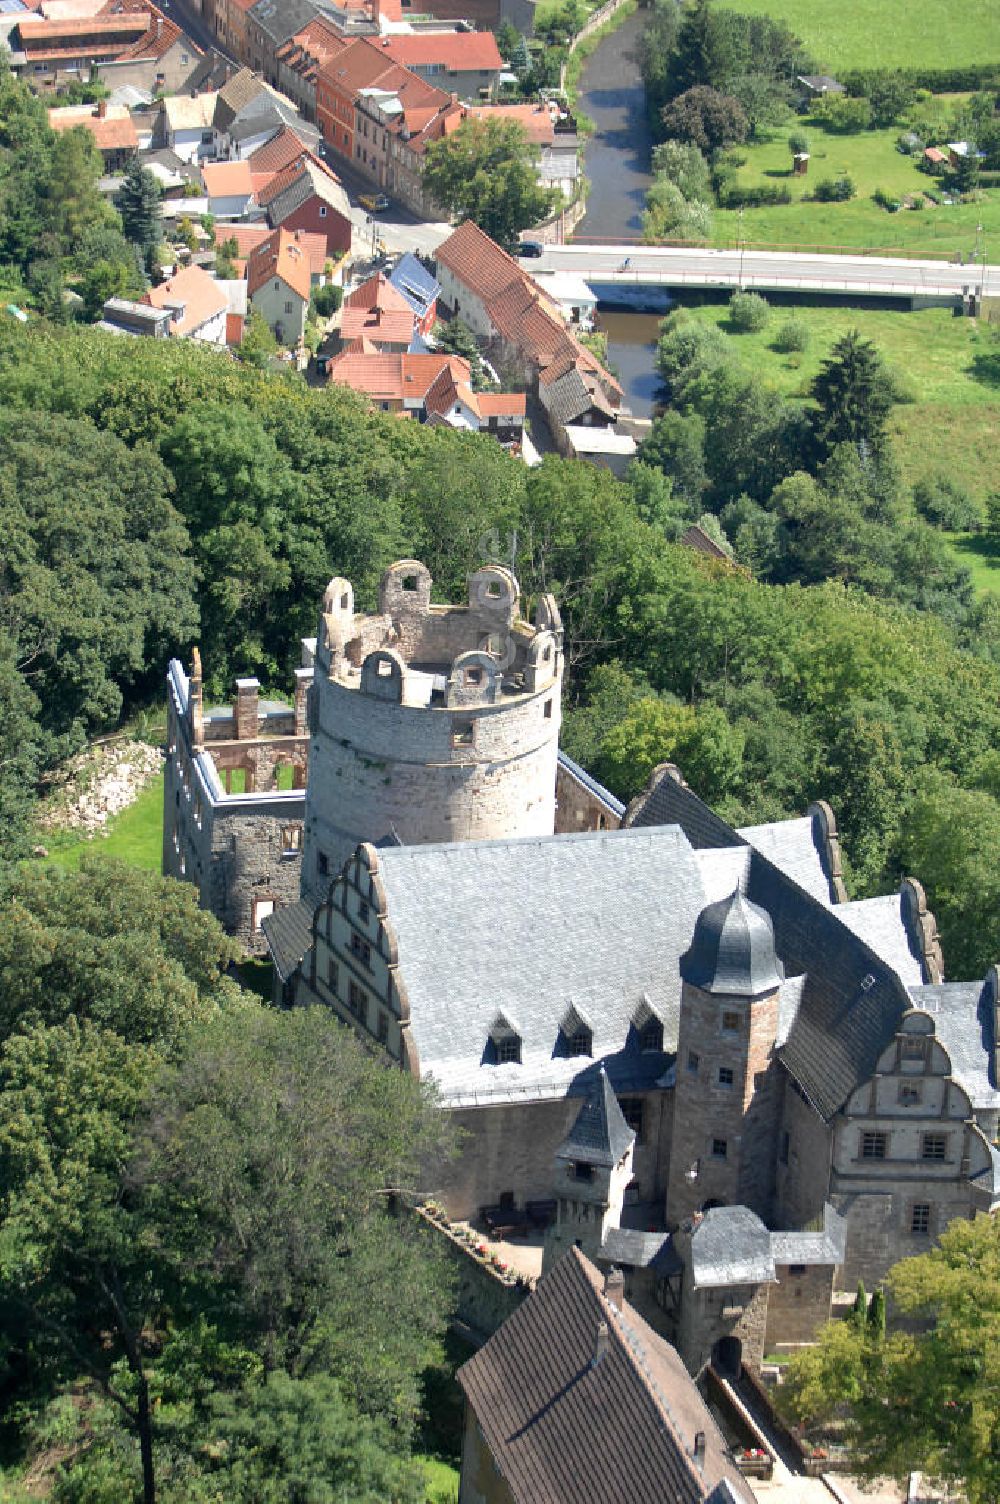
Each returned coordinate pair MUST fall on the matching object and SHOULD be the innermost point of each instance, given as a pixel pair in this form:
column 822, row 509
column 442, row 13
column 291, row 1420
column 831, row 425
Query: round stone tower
column 430, row 722
column 726, row 1099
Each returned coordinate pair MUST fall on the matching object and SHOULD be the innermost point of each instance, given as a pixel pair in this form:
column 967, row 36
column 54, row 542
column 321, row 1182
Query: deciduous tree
column 486, row 171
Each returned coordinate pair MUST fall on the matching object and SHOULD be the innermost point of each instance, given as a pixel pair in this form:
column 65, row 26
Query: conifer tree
column 876, row 1318
column 860, row 1313
column 138, row 203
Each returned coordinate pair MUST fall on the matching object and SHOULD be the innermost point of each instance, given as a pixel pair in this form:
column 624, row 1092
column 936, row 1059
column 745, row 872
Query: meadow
column 948, row 366
column 842, row 34
column 872, row 161
column 135, row 836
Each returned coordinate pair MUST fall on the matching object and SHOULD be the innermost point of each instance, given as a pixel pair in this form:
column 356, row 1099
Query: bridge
column 856, row 275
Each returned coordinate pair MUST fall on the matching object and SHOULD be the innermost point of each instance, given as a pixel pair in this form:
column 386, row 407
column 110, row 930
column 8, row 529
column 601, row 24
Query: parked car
column 375, row 203
column 529, row 248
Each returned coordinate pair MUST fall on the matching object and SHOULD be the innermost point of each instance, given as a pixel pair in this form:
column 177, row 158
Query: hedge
column 937, row 80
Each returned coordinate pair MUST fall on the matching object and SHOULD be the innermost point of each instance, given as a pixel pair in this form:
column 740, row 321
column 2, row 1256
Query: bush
column 327, row 300
column 886, row 200
column 946, row 505
column 935, row 80
column 748, row 312
column 902, row 387
column 736, row 196
column 798, row 143
column 792, row 335
column 844, row 114
column 834, row 190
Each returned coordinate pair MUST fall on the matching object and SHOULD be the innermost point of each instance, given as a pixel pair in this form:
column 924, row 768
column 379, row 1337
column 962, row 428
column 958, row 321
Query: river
column 616, row 160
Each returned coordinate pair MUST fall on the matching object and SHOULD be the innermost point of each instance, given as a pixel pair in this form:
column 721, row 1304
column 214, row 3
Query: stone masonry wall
column 798, row 1304
column 510, row 1147
column 579, row 809
column 802, row 1183
column 484, row 1296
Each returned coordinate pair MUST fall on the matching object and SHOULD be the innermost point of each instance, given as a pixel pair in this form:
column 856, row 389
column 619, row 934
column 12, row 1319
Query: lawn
column 135, row 836
column 981, row 559
column 842, row 34
column 944, row 361
column 871, row 160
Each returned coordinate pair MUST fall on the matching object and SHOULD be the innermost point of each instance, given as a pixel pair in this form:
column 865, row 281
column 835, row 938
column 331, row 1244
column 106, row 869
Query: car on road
column 375, row 203
column 529, row 248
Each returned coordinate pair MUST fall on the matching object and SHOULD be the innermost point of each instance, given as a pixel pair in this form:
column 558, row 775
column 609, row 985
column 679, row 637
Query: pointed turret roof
column 600, row 1135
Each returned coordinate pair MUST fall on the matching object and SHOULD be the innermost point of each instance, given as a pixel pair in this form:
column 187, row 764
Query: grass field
column 842, row 34
column 949, row 428
column 870, row 158
column 135, row 836
column 973, row 550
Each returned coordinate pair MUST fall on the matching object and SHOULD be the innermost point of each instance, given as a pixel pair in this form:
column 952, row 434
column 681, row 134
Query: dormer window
column 576, row 1037
column 580, row 1042
column 651, row 1037
column 509, row 1050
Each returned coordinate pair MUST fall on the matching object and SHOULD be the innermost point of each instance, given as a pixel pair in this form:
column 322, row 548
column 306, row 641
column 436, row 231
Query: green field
column 945, row 362
column 870, row 158
column 842, row 34
column 135, row 836
column 973, row 550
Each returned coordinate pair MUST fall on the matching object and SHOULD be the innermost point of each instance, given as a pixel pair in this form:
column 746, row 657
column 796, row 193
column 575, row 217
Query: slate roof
column 731, row 1246
column 793, row 845
column 640, row 1250
column 288, row 932
column 600, row 1136
column 879, row 923
column 281, row 19
column 564, row 1429
column 732, row 951
column 818, row 1247
column 241, row 88
column 963, row 1024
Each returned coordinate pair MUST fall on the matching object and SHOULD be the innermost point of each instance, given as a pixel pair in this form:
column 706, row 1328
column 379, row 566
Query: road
column 772, row 271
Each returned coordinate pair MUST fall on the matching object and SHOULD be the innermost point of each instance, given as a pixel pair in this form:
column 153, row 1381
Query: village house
column 552, row 130
column 229, row 188
column 140, row 46
column 378, row 318
column 432, row 388
column 270, row 23
column 249, row 113
column 576, row 1398
column 110, row 125
column 306, row 196
column 279, row 284
column 184, row 126
column 299, row 60
column 414, row 282
column 466, row 63
column 246, row 237
column 196, row 303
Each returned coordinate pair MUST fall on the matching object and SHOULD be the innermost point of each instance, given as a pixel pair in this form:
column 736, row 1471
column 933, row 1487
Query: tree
column 749, row 312
column 21, row 755
column 458, row 339
column 854, row 394
column 877, row 1317
column 258, row 344
column 138, row 203
column 706, row 118
column 98, row 578
column 859, row 1314
column 682, row 163
column 275, row 1152
column 701, row 741
column 924, row 1398
column 507, row 39
column 486, row 171
column 669, row 215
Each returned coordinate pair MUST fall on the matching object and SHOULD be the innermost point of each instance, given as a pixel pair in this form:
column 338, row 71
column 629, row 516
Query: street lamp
column 741, row 246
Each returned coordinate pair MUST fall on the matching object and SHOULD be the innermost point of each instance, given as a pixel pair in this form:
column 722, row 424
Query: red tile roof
column 279, row 152
column 478, row 261
column 282, row 256
column 459, row 51
column 502, row 404
column 114, row 131
column 246, row 236
column 535, row 119
column 200, row 294
column 377, row 292
column 227, row 179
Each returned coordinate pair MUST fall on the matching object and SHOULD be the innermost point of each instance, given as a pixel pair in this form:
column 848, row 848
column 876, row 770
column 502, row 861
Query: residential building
column 306, row 196
column 246, row 237
column 576, row 1398
column 229, row 188
column 254, row 116
column 279, row 284
column 123, row 316
column 466, row 63
column 300, row 58
column 196, row 302
column 432, row 388
column 270, row 23
column 378, row 315
column 185, row 126
column 415, row 283
column 110, row 125
column 140, row 47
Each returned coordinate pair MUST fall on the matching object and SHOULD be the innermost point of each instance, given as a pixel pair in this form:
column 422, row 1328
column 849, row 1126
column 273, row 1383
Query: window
column 580, row 1042
column 357, row 1000
column 651, row 1037
column 332, row 975
column 263, row 908
column 361, row 949
column 920, row 1218
column 694, row 1060
column 783, row 1147
column 509, row 1050
column 759, row 1080
column 277, row 286
column 473, row 676
column 934, row 1146
column 363, row 911
column 548, row 710
column 720, row 1148
column 383, row 1027
column 731, row 1022
column 291, row 840
column 633, row 1114
column 322, row 211
column 288, row 306
column 874, row 1145
column 207, row 137
column 910, row 1093
column 913, row 1047
column 725, row 1076
column 462, row 733
column 582, row 1171
column 322, row 864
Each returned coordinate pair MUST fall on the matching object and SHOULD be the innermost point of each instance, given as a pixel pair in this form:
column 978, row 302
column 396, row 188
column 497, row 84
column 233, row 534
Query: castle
column 719, row 1072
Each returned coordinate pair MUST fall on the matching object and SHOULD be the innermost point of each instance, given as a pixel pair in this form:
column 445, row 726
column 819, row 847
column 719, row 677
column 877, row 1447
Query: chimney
column 102, row 109
column 245, row 709
column 699, row 1451
column 159, row 26
column 601, row 1345
column 303, row 679
column 614, row 1288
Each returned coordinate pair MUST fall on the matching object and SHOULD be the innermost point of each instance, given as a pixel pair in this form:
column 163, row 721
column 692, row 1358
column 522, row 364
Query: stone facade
column 431, row 723
column 234, row 800
column 798, row 1303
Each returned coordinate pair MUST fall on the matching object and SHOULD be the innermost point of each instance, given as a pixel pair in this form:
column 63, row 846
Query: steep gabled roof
column 283, row 257
column 241, row 88
column 201, row 296
column 477, row 261
column 566, row 1423
column 456, row 51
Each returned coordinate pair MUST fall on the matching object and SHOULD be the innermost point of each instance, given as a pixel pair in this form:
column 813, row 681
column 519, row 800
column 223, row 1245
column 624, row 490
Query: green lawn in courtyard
column 135, row 836
column 871, row 160
column 842, row 34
